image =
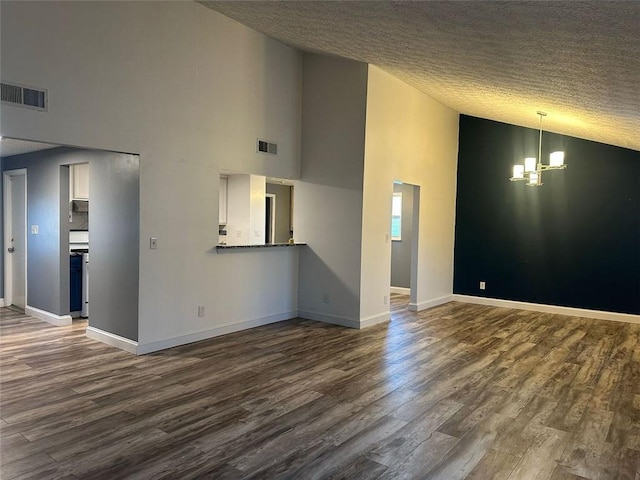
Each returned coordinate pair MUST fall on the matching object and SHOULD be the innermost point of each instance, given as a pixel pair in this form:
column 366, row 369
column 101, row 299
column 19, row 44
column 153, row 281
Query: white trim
column 397, row 238
column 539, row 307
column 112, row 339
column 400, row 290
column 1, row 302
column 7, row 213
column 335, row 320
column 213, row 332
column 434, row 302
column 346, row 321
column 58, row 320
column 375, row 319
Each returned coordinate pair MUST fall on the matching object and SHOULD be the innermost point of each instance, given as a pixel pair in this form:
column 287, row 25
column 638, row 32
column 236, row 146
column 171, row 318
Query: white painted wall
column 190, row 91
column 413, row 138
column 328, row 199
column 257, row 209
column 246, row 212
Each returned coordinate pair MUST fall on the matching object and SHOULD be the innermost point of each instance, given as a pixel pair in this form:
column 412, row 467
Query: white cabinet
column 79, row 181
column 222, row 205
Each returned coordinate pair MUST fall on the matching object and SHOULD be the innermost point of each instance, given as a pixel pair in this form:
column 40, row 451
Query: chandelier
column 532, row 169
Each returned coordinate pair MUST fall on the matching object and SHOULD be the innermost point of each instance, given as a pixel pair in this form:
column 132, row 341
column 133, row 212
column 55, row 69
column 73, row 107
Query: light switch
column 153, row 243
column 34, row 229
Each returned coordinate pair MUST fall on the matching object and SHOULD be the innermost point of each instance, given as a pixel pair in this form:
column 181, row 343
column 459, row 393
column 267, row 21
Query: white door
column 15, row 237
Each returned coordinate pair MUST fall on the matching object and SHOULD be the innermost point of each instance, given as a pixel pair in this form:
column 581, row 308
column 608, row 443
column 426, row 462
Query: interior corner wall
column 414, row 139
column 189, row 90
column 573, row 242
column 328, row 197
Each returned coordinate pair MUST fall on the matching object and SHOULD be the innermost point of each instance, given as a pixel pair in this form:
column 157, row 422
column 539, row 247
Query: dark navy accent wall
column 573, row 242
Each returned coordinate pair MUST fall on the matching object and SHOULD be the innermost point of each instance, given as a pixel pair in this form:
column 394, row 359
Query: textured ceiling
column 578, row 61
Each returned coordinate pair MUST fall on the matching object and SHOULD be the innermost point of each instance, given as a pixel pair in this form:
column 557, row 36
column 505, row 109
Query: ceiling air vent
column 267, row 147
column 23, row 96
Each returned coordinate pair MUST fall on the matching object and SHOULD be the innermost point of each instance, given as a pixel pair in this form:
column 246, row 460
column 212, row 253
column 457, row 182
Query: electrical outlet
column 386, row 299
column 201, row 311
column 153, row 243
column 483, row 285
column 325, row 297
column 34, row 229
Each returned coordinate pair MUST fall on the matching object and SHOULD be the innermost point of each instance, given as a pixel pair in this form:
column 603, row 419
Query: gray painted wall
column 114, row 238
column 401, row 249
column 2, row 232
column 328, row 198
column 283, row 210
column 114, row 241
column 43, row 209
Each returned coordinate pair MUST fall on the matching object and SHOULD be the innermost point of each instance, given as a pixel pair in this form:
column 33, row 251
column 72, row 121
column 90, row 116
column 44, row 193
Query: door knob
column 11, row 249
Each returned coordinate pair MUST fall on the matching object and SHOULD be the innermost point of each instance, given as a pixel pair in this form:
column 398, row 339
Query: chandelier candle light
column 532, row 169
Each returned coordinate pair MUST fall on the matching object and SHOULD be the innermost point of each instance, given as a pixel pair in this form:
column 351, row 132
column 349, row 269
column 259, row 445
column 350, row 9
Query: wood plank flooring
column 457, row 391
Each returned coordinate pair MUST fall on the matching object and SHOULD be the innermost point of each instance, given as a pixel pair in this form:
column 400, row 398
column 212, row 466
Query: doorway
column 404, row 244
column 115, row 236
column 270, row 218
column 15, row 237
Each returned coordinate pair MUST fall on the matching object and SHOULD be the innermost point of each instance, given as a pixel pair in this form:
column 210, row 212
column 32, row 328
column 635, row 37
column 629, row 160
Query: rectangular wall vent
column 267, row 147
column 23, row 96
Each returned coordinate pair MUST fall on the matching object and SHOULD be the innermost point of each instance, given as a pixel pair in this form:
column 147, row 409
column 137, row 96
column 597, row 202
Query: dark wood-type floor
column 458, row 391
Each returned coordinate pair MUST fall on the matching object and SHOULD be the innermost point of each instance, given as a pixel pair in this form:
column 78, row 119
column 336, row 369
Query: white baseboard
column 375, row 319
column 539, row 307
column 434, row 302
column 58, row 320
column 144, row 348
column 1, row 302
column 334, row 319
column 400, row 290
column 345, row 321
column 112, row 339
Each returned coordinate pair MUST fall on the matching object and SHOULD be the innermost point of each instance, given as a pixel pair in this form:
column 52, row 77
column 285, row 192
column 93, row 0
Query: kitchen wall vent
column 267, row 147
column 23, row 96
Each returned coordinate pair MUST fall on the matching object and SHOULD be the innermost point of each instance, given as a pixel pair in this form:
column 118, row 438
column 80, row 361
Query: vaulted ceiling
column 577, row 61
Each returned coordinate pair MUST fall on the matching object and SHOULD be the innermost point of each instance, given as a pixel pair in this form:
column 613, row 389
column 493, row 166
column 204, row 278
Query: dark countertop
column 266, row 245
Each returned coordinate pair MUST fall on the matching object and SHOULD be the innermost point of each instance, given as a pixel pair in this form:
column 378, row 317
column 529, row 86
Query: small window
column 396, row 216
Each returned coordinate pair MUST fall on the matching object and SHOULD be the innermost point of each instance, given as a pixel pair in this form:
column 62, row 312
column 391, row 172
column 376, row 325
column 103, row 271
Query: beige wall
column 412, row 138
